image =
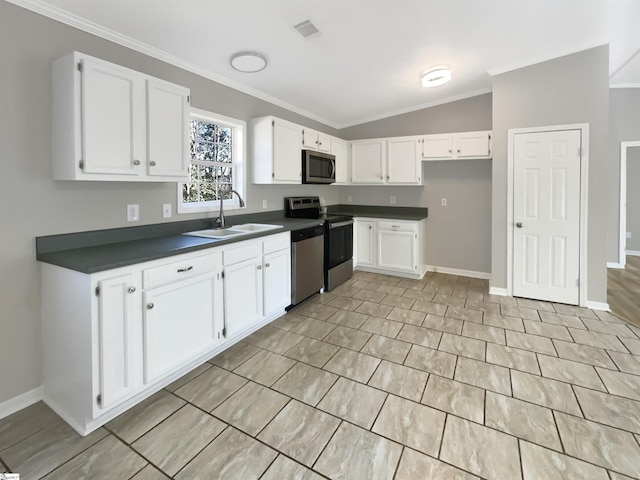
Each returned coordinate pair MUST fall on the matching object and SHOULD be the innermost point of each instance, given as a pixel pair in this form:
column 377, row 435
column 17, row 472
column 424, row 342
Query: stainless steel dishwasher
column 307, row 262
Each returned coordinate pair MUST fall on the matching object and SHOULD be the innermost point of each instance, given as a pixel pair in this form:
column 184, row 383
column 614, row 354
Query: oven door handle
column 340, row 224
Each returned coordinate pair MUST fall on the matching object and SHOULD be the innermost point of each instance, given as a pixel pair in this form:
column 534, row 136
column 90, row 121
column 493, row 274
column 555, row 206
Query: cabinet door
column 437, row 146
column 324, row 142
column 397, row 250
column 167, row 130
column 340, row 151
column 367, row 162
column 113, row 130
column 116, row 318
column 364, row 242
column 287, row 152
column 309, row 138
column 181, row 320
column 242, row 294
column 277, row 281
column 403, row 163
column 473, row 144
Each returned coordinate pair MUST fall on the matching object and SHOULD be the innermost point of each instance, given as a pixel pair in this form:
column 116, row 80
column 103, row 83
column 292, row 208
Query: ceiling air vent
column 306, row 29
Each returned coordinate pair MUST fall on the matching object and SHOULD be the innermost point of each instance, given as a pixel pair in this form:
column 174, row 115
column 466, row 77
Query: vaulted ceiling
column 367, row 61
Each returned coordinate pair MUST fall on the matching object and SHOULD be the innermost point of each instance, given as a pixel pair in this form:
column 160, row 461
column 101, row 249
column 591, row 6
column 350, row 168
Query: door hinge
column 97, row 291
column 273, row 175
column 81, row 164
column 273, row 123
column 224, row 332
column 188, row 98
column 79, row 66
column 222, row 274
column 99, row 400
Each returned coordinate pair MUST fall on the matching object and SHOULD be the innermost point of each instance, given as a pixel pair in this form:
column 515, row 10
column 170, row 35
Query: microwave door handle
column 333, row 168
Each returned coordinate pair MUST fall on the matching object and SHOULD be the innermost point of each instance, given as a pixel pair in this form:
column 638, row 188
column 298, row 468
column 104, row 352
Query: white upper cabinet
column 340, row 150
column 368, row 158
column 456, row 146
column 277, row 151
column 316, row 140
column 403, row 163
column 112, row 123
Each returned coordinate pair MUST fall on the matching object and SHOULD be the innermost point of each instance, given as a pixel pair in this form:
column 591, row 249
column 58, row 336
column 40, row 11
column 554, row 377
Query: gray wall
column 459, row 235
column 624, row 127
column 34, row 205
column 633, row 198
column 566, row 90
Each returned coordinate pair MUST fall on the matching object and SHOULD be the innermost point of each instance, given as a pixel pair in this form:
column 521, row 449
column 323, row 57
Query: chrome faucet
column 220, row 219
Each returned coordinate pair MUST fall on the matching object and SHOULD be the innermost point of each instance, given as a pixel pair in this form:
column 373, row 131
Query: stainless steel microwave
column 318, row 167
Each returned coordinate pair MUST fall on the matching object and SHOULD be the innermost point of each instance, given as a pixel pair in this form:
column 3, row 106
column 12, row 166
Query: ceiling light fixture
column 248, row 62
column 436, row 76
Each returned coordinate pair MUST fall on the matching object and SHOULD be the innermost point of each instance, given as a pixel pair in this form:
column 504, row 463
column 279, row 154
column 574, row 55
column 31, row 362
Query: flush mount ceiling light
column 436, row 76
column 248, row 62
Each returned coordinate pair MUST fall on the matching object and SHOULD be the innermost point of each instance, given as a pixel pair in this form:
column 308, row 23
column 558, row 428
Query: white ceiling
column 367, row 62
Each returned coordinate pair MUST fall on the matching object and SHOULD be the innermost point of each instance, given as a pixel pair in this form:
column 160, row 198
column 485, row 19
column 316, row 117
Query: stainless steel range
column 338, row 238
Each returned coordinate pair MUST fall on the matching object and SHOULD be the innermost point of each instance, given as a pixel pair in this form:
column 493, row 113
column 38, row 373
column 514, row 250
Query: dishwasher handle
column 340, row 224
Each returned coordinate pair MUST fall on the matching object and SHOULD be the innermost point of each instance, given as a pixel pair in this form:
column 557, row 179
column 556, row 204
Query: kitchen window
column 217, row 147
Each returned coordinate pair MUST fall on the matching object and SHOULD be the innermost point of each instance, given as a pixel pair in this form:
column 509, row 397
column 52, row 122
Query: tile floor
column 383, row 378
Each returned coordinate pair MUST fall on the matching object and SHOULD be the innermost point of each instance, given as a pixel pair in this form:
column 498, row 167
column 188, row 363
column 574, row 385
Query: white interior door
column 546, row 216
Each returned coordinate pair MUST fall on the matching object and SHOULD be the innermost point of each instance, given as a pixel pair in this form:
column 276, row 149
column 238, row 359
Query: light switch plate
column 628, row 234
column 392, row 199
column 443, row 202
column 264, row 204
column 133, row 213
column 166, row 210
column 349, row 198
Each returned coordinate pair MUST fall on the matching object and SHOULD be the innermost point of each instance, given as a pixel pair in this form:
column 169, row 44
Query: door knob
column 519, row 224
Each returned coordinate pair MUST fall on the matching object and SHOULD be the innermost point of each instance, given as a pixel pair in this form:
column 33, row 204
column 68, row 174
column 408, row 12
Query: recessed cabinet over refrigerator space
column 456, row 146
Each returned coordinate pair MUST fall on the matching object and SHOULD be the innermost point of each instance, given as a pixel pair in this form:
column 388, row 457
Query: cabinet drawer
column 171, row 272
column 398, row 226
column 276, row 242
column 240, row 254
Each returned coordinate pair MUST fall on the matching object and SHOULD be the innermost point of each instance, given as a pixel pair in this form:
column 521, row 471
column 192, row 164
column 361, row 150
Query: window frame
column 238, row 153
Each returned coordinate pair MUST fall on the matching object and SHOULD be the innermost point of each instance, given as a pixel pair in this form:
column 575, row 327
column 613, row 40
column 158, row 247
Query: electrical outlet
column 628, row 234
column 349, row 198
column 443, row 202
column 392, row 199
column 133, row 213
column 264, row 204
column 166, row 210
column 321, row 200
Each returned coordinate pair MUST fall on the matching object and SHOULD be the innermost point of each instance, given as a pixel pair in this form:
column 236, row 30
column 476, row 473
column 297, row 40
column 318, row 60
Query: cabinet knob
column 131, row 289
column 136, row 162
column 152, row 163
column 370, row 227
column 267, row 264
column 150, row 306
column 259, row 267
column 519, row 225
column 388, row 177
column 449, row 150
column 458, row 150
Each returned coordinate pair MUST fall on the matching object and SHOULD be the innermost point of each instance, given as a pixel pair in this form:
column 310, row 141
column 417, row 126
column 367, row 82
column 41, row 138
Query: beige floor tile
column 468, row 315
column 611, row 410
column 400, row 380
column 583, row 353
column 367, row 295
column 375, row 309
column 535, row 304
column 317, row 311
column 454, row 397
column 387, row 348
column 412, row 284
column 348, row 337
column 345, row 290
column 522, row 419
column 605, row 446
column 511, row 311
column 540, row 463
column 284, row 468
column 411, row 424
column 235, row 356
column 445, row 298
column 251, row 408
column 354, row 453
column 513, row 358
column 545, row 392
column 326, row 297
column 148, row 473
column 420, row 336
column 533, row 343
column 500, row 299
column 26, row 422
column 484, row 332
column 483, row 375
column 562, row 319
column 288, row 321
column 570, row 372
column 412, row 317
column 429, row 307
column 547, row 330
column 188, row 377
column 395, row 301
column 483, row 306
column 572, row 310
column 607, row 316
column 632, row 345
column 265, row 367
column 617, row 476
column 480, row 450
column 622, row 384
column 107, row 459
column 432, row 361
column 171, row 452
column 274, row 339
column 609, row 328
column 231, row 456
column 313, row 352
column 391, row 290
column 444, row 324
column 210, row 389
column 598, row 340
column 426, row 295
column 414, row 465
column 353, row 365
column 313, row 328
column 300, row 431
column 382, row 326
column 306, row 383
column 467, row 347
column 346, row 303
column 353, row 402
column 348, row 319
column 626, row 363
column 47, row 449
column 508, row 323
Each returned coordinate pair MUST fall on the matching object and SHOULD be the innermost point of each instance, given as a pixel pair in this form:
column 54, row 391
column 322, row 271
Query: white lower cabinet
column 392, row 247
column 111, row 339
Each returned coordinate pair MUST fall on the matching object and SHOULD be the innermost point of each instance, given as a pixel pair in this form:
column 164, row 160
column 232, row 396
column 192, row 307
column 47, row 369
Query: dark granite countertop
column 372, row 211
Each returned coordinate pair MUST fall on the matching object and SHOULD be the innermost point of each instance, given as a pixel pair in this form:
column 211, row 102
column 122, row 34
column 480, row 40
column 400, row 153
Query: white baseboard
column 23, row 400
column 598, row 306
column 498, row 291
column 461, row 273
column 633, row 253
column 615, row 265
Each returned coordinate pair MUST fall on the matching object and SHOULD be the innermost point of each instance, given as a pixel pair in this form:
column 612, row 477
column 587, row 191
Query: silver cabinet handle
column 131, row 289
column 136, row 162
column 519, row 225
column 152, row 163
column 267, row 264
column 150, row 306
column 259, row 267
column 186, row 269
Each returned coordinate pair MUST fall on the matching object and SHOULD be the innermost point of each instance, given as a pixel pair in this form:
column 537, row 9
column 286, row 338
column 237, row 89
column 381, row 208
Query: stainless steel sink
column 234, row 231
